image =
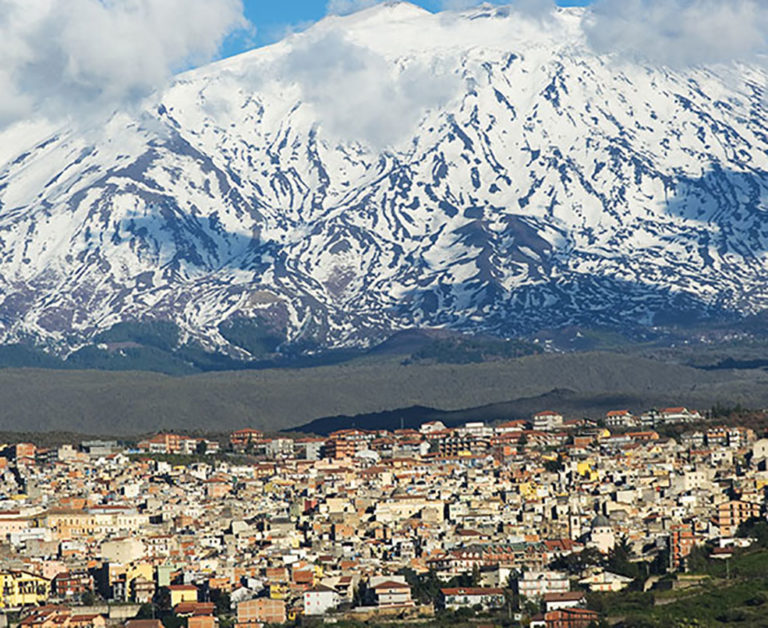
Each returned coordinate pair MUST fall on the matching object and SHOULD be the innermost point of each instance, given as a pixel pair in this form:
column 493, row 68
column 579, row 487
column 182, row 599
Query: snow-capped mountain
column 392, row 169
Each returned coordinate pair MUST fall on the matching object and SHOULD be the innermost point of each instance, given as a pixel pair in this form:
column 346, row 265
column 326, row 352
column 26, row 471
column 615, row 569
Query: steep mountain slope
column 395, row 169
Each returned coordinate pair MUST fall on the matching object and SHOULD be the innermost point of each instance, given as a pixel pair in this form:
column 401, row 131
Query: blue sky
column 273, row 18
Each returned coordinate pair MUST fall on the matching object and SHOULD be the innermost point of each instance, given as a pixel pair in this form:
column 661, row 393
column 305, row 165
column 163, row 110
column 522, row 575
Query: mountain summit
column 480, row 170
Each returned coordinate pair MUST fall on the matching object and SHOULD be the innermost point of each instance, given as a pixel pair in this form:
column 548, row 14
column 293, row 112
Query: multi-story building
column 547, row 421
column 534, row 584
column 242, row 439
column 256, row 612
column 347, row 443
column 73, row 583
column 162, row 444
column 320, row 599
column 22, row 588
column 619, row 419
column 681, row 541
column 731, row 514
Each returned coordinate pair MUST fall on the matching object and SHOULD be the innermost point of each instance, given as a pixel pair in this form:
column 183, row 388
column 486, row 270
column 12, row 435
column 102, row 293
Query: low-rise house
column 143, row 623
column 571, row 618
column 61, row 617
column 567, row 599
column 182, row 593
column 391, row 593
column 679, row 415
column 606, row 581
column 194, row 609
column 471, row 597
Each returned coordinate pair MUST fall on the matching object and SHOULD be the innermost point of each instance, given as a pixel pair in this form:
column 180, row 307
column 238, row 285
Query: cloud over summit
column 361, row 95
column 71, row 57
column 679, row 33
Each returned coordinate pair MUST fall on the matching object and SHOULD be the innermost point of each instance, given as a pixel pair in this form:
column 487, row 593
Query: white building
column 568, row 599
column 547, row 421
column 469, row 597
column 432, row 427
column 619, row 418
column 679, row 415
column 606, row 581
column 535, row 584
column 477, row 429
column 601, row 535
column 391, row 591
column 320, row 600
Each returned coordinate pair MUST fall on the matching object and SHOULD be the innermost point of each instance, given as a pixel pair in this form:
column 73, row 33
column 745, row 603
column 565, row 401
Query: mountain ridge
column 524, row 186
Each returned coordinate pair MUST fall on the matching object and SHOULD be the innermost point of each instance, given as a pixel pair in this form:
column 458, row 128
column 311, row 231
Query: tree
column 619, row 560
column 554, row 465
column 163, row 598
column 755, row 528
column 171, row 620
column 146, row 611
column 466, row 579
column 360, row 596
column 698, row 560
column 201, row 448
column 425, row 588
column 475, row 575
column 530, row 608
column 575, row 563
column 222, row 601
column 511, row 601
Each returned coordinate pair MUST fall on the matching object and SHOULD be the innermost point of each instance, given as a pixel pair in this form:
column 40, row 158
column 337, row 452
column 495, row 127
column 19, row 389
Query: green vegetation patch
column 468, row 350
column 251, row 334
column 740, row 600
column 163, row 335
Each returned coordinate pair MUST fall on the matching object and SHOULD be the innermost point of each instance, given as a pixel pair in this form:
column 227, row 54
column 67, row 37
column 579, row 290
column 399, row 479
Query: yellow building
column 603, row 434
column 21, row 588
column 404, row 507
column 279, row 591
column 100, row 522
column 132, row 572
column 139, row 570
column 585, row 469
column 182, row 593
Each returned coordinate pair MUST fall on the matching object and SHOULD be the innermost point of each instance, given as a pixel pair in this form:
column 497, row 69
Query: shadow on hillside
column 725, row 212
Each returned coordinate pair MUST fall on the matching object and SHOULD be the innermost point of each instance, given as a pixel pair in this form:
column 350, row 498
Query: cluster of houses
column 352, row 525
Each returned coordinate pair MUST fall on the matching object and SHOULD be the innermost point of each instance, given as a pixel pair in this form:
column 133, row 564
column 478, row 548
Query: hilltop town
column 533, row 522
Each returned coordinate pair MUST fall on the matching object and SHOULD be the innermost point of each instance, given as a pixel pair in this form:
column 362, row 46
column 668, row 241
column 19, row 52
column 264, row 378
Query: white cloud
column 345, row 7
column 680, row 32
column 535, row 8
column 458, row 5
column 358, row 94
column 70, row 58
